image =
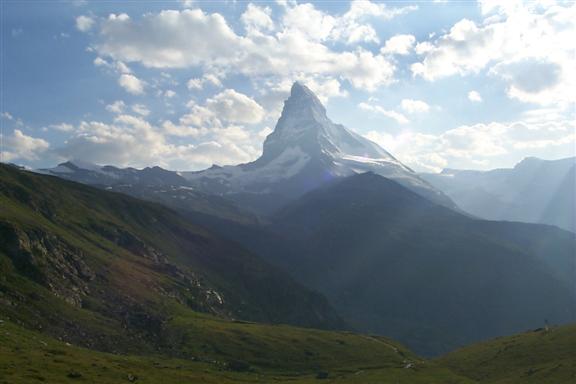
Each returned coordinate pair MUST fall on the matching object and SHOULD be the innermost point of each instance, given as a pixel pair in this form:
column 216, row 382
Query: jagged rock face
column 306, row 150
column 304, row 124
column 299, row 125
column 62, row 268
column 49, row 261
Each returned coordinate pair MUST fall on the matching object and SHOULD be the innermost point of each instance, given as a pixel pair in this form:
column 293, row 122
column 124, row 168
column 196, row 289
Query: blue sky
column 186, row 84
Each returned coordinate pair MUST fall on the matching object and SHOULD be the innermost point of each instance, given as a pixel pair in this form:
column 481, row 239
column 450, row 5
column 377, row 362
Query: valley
column 324, row 259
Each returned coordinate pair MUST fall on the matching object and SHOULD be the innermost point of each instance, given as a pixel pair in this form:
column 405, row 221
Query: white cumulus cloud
column 116, row 107
column 299, row 44
column 414, row 106
column 474, row 96
column 236, row 107
column 198, row 83
column 394, row 115
column 84, row 23
column 131, row 84
column 19, row 146
column 478, row 145
column 140, row 109
column 530, row 47
column 399, row 45
column 256, row 19
column 132, row 141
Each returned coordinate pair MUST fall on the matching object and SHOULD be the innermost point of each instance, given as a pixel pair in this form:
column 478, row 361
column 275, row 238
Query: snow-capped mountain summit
column 306, row 150
column 304, row 124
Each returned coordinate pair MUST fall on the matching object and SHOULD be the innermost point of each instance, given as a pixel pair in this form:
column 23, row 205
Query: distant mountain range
column 305, row 151
column 534, row 191
column 154, row 184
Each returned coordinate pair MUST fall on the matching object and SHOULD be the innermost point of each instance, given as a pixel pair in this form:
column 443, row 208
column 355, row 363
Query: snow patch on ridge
column 285, row 166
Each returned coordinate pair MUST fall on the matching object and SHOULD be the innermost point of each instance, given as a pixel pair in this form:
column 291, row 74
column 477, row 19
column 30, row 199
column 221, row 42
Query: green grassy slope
column 108, row 271
column 221, row 352
column 538, row 357
column 100, row 287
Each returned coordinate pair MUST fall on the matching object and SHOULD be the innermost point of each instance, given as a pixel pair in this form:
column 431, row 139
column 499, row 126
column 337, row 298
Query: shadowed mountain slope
column 396, row 264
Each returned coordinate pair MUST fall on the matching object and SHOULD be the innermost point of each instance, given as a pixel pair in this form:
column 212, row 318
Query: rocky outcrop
column 48, row 260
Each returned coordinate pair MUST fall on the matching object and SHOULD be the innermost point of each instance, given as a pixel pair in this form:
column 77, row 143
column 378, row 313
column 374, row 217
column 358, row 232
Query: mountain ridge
column 305, row 150
column 532, row 191
column 152, row 184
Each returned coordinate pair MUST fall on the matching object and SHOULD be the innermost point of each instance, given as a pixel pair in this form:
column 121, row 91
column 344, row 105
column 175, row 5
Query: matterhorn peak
column 303, row 102
column 305, row 150
column 301, row 92
column 305, row 125
column 301, row 124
